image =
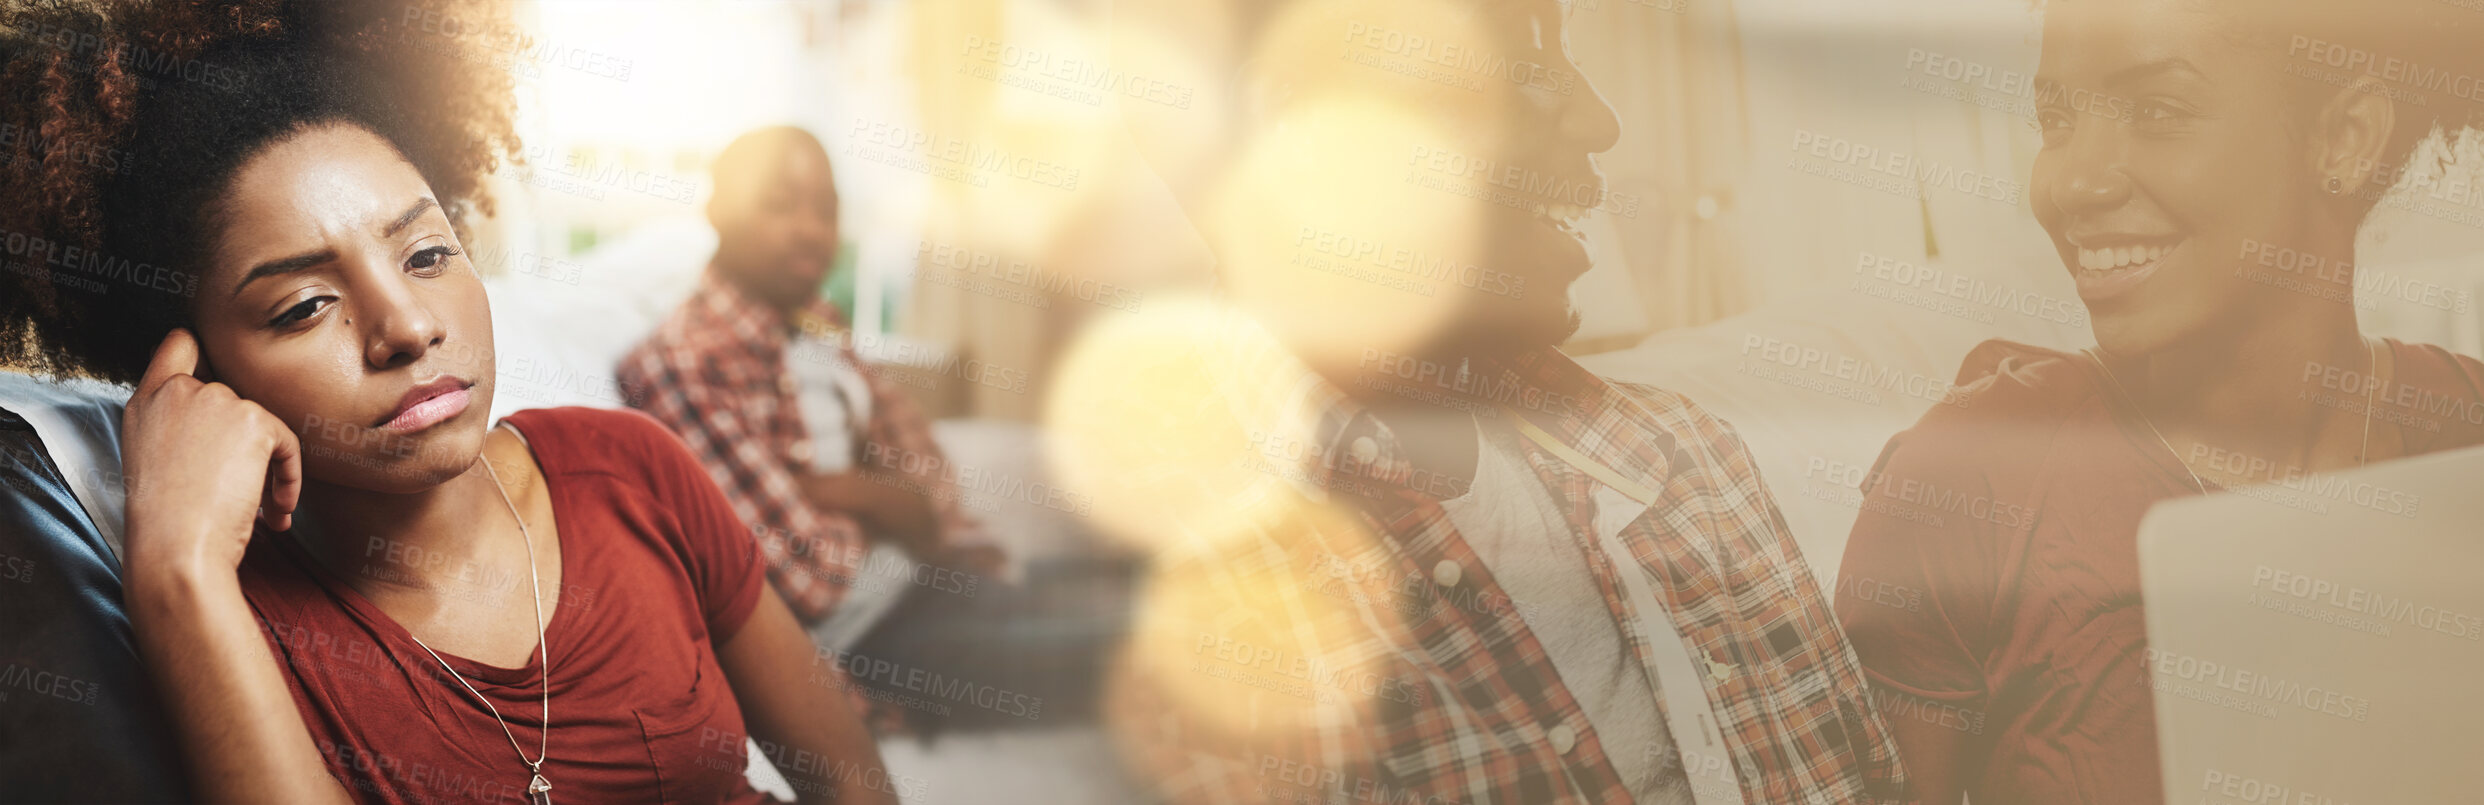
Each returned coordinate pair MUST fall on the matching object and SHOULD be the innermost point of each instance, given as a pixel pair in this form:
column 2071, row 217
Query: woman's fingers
column 176, row 356
column 284, row 473
column 207, row 456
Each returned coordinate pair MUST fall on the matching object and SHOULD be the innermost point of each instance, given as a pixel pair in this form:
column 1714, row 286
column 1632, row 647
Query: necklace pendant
column 539, row 785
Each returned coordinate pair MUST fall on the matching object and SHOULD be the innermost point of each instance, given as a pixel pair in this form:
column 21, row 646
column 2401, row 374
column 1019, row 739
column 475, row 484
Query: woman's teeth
column 2120, row 257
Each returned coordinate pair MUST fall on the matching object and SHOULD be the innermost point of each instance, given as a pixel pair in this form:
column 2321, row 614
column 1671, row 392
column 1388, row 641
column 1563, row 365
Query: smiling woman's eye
column 2159, row 112
column 297, row 313
column 430, row 259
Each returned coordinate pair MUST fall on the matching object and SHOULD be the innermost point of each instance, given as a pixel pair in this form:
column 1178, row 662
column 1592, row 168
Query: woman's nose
column 401, row 328
column 2094, row 179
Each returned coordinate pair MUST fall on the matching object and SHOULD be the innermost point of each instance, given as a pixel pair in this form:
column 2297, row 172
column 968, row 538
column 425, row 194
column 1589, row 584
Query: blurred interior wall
column 1673, row 71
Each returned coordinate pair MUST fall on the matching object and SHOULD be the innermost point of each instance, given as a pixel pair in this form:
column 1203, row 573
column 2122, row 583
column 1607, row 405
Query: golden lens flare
column 1323, row 227
column 1273, row 636
column 1310, row 219
column 1148, row 423
column 1020, row 131
column 1258, row 619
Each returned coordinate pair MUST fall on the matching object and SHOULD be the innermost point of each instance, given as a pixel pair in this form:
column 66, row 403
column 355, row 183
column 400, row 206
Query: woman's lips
column 429, row 412
column 2111, row 272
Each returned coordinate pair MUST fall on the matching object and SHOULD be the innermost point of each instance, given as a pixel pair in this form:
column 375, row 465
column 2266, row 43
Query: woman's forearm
column 770, row 666
column 235, row 718
column 201, row 465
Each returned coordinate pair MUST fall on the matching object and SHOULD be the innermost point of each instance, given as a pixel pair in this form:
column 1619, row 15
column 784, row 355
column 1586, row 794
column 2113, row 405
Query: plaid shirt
column 715, row 373
column 1344, row 644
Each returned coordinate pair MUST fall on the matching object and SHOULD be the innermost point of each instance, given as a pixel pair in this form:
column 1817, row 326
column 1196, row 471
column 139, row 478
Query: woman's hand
column 200, row 462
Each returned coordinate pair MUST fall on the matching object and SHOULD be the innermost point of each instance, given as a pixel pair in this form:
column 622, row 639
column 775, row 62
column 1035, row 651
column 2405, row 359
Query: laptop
column 2321, row 642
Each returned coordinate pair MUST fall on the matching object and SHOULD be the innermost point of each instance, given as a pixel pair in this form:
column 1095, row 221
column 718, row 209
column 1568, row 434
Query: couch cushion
column 80, row 421
column 79, row 719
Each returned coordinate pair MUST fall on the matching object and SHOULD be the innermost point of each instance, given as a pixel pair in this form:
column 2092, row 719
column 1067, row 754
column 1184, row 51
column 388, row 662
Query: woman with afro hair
column 345, row 582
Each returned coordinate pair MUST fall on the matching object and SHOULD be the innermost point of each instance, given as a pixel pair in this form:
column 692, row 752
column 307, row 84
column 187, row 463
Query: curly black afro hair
column 122, row 121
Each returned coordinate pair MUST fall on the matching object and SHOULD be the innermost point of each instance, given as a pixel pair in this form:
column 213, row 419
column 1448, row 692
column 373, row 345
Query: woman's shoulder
column 2000, row 425
column 578, row 438
column 2014, row 391
column 643, row 459
column 2026, row 373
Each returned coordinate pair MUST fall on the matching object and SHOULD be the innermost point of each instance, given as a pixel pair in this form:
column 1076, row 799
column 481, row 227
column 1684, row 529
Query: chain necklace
column 2363, row 456
column 537, row 789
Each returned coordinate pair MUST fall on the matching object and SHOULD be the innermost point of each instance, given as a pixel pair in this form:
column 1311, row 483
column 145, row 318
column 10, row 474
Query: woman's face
column 2167, row 157
column 337, row 297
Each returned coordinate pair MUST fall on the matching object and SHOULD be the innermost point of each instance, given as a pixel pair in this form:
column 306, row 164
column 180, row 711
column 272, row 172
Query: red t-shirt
column 1991, row 585
column 655, row 572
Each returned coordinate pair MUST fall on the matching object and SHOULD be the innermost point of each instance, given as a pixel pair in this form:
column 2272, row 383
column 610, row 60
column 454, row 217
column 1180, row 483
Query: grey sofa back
column 79, row 718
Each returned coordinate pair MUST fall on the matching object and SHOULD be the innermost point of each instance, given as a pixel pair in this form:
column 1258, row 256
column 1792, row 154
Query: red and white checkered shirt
column 715, row 373
column 1333, row 638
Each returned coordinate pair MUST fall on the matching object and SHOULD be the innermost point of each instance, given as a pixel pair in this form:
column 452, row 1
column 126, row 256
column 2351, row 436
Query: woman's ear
column 2355, row 129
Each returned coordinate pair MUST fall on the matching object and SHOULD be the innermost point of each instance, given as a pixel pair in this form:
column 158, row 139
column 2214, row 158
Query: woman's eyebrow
column 303, row 261
column 284, row 266
column 421, row 205
column 2150, row 69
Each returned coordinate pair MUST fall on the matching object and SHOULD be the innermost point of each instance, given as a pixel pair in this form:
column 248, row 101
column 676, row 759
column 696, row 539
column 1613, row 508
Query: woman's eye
column 305, row 310
column 430, row 258
column 2160, row 112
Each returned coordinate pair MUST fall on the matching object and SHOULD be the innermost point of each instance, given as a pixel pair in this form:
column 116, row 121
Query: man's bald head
column 775, row 213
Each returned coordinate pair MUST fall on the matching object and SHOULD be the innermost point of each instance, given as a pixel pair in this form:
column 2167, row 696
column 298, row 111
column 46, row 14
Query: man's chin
column 795, row 294
column 1533, row 331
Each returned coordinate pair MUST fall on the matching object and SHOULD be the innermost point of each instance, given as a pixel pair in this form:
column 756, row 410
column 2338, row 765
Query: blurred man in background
column 835, row 477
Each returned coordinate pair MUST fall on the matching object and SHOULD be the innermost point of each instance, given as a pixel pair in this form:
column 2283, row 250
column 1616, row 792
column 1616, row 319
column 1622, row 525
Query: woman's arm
column 1916, row 594
column 235, row 719
column 769, row 662
column 202, row 461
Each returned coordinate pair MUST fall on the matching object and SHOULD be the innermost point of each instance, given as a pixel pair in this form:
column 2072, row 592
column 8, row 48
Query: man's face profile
column 1414, row 176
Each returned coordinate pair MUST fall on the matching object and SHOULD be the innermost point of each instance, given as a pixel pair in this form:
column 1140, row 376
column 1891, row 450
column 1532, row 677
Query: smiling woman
column 2187, row 145
column 325, row 536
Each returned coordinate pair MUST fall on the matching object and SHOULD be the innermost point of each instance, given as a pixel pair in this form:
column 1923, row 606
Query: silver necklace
column 537, row 789
column 2362, row 457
